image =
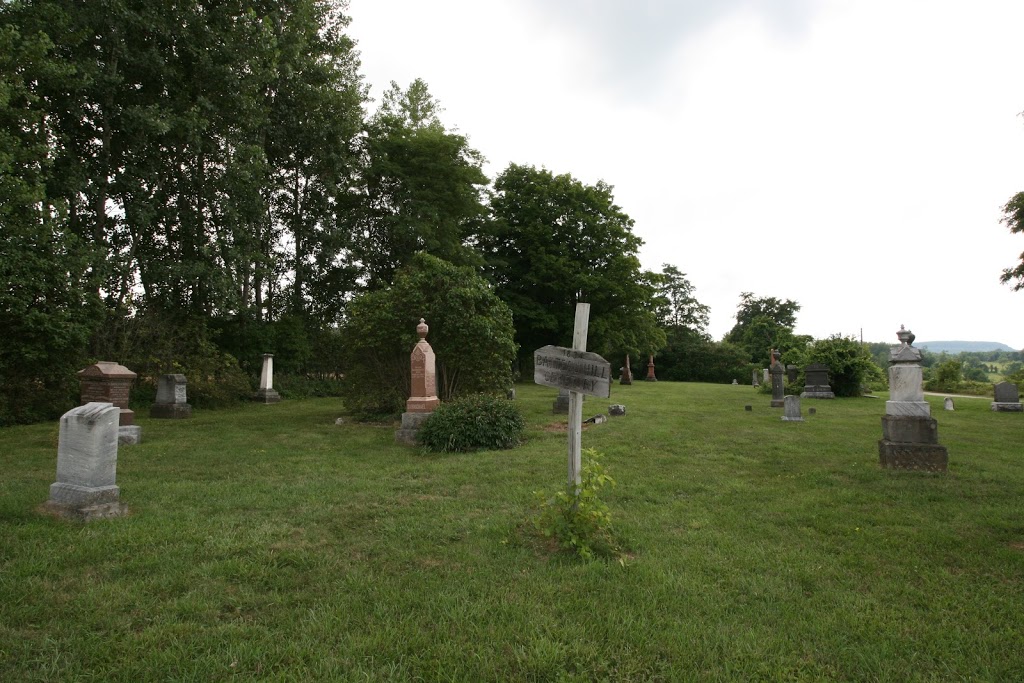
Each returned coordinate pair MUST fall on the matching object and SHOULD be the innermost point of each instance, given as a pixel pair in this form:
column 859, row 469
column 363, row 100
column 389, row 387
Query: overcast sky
column 851, row 155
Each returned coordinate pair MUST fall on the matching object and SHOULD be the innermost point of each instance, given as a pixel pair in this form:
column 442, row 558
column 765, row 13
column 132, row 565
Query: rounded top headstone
column 422, row 329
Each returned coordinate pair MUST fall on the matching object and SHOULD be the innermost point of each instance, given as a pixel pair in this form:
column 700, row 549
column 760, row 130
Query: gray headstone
column 616, row 409
column 778, row 386
column 561, row 404
column 171, row 398
column 596, row 420
column 791, row 409
column 749, row 409
column 87, row 463
column 1006, row 392
column 735, row 382
column 754, row 381
column 1007, row 399
column 816, row 382
column 947, row 403
column 792, row 372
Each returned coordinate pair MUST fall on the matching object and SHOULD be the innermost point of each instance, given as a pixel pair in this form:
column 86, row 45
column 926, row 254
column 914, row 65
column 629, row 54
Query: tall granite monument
column 910, row 435
column 778, row 386
column 650, row 370
column 626, row 376
column 267, row 394
column 423, row 395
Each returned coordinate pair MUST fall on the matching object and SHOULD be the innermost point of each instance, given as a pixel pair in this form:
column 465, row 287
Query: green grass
column 267, row 543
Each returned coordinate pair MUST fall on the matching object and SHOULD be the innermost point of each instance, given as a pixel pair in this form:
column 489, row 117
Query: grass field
column 267, row 543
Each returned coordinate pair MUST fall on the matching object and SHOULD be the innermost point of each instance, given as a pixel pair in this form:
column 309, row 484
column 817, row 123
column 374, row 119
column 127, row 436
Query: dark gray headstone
column 171, row 398
column 561, row 404
column 616, row 409
column 1007, row 398
column 778, row 386
column 816, row 382
column 1006, row 392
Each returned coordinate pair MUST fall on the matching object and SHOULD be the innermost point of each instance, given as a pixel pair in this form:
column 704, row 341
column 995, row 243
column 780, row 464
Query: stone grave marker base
column 129, row 435
column 267, row 396
column 411, row 423
column 171, row 411
column 912, row 456
column 1008, row 407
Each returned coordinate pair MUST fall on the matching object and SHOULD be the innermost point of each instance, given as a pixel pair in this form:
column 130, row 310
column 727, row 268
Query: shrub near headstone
column 473, row 423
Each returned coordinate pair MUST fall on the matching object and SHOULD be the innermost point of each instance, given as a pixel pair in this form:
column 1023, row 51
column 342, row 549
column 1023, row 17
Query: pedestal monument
column 910, row 435
column 109, row 382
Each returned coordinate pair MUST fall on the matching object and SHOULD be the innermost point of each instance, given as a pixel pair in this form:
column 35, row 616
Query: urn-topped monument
column 910, row 435
column 423, row 394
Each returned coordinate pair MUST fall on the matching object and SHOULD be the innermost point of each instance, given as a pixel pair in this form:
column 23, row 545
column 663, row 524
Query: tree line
column 185, row 186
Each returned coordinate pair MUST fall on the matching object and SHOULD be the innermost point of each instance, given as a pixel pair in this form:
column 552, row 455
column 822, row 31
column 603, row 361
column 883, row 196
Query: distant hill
column 962, row 346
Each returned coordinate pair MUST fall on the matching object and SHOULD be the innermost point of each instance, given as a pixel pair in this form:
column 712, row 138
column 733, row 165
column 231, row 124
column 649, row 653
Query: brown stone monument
column 650, row 370
column 423, row 396
column 626, row 376
column 109, row 382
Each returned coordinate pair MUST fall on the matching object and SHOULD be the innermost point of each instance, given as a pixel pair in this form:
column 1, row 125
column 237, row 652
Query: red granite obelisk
column 423, row 395
column 650, row 370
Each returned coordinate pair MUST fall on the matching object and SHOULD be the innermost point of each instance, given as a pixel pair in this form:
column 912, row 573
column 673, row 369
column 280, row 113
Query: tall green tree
column 1013, row 218
column 557, row 241
column 764, row 323
column 423, row 187
column 47, row 305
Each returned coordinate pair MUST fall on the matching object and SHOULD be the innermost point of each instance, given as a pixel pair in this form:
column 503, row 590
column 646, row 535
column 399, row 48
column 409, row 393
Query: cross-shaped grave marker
column 580, row 372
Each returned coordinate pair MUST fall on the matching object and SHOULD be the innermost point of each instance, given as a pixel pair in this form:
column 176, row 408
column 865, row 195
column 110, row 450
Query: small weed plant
column 471, row 423
column 576, row 518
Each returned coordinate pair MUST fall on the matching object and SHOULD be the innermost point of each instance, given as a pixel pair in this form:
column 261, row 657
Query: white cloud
column 852, row 156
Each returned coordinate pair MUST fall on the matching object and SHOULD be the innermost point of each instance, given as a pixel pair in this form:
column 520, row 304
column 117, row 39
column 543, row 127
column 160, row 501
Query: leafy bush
column 473, row 423
column 850, row 364
column 580, row 524
column 471, row 334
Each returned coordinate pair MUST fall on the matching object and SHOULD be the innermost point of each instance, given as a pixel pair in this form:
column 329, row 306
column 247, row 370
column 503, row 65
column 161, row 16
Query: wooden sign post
column 578, row 371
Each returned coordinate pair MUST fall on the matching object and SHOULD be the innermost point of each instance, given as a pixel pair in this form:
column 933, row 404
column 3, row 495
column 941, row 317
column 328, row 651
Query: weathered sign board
column 579, row 371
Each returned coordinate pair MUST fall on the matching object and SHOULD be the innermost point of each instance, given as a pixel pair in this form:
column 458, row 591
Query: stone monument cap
column 422, row 329
column 106, row 369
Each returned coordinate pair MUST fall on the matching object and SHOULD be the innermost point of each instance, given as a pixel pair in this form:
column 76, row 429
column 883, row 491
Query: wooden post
column 579, row 343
